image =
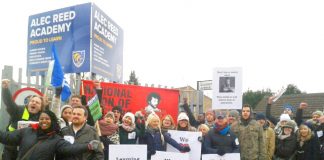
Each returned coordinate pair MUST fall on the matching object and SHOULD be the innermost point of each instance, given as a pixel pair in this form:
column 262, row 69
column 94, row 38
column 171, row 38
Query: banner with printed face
column 170, row 156
column 227, row 156
column 136, row 98
column 186, row 138
column 227, row 88
column 128, row 152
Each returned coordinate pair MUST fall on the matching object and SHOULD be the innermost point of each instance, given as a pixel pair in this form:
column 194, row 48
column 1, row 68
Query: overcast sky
column 179, row 42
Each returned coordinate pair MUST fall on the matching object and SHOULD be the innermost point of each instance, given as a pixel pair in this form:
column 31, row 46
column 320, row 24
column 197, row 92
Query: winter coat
column 319, row 132
column 285, row 148
column 154, row 142
column 269, row 141
column 47, row 148
column 216, row 143
column 127, row 137
column 251, row 141
column 310, row 150
column 14, row 110
column 84, row 136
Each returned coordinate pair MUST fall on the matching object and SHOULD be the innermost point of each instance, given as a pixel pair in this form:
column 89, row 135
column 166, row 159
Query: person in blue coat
column 156, row 140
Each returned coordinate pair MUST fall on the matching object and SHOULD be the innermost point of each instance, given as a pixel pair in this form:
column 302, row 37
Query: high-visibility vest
column 25, row 116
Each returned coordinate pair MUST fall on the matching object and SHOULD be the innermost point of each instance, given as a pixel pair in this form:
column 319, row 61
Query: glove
column 185, row 149
column 220, row 152
column 58, row 91
column 200, row 139
column 94, row 145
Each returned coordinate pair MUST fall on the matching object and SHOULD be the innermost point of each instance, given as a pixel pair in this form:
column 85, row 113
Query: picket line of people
column 68, row 131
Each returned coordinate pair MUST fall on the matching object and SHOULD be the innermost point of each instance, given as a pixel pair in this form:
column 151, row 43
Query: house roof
column 315, row 102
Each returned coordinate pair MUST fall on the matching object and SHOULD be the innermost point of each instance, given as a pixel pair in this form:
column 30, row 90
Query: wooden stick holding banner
column 279, row 94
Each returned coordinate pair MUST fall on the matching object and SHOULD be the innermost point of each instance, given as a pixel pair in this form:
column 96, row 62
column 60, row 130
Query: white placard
column 24, row 124
column 227, row 88
column 279, row 94
column 123, row 151
column 170, row 156
column 186, row 138
column 227, row 156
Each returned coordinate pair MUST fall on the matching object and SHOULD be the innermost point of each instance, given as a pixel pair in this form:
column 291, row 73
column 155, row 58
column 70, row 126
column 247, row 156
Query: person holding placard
column 128, row 132
column 42, row 140
column 156, row 140
column 250, row 136
column 30, row 112
column 220, row 139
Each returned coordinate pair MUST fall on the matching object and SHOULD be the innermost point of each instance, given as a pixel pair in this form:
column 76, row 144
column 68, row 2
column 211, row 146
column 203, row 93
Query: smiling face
column 78, row 116
column 67, row 114
column 183, row 123
column 303, row 131
column 35, row 105
column 127, row 121
column 167, row 122
column 154, row 123
column 44, row 121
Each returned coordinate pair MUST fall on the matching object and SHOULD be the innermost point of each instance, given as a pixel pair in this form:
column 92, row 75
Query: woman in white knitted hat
column 128, row 133
column 183, row 123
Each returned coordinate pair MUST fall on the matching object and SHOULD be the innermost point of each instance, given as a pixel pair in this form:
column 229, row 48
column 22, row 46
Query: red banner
column 135, row 98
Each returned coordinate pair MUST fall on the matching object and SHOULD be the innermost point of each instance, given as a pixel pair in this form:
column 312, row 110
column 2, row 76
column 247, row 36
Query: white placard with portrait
column 227, row 88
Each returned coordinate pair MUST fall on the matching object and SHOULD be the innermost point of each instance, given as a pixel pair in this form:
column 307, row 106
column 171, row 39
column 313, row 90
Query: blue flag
column 58, row 79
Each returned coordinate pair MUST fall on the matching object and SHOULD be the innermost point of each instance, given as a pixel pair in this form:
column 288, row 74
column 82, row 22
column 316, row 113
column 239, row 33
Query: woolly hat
column 260, row 116
column 234, row 113
column 182, row 116
column 110, row 114
column 320, row 113
column 220, row 114
column 131, row 115
column 284, row 117
column 289, row 124
column 65, row 107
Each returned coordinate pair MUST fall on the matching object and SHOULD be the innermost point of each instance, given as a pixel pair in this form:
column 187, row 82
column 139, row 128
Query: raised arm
column 268, row 111
column 12, row 107
column 192, row 120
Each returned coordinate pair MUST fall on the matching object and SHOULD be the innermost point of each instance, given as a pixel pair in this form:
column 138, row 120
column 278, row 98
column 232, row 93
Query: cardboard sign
column 185, row 138
column 131, row 152
column 94, row 107
column 227, row 156
column 159, row 155
column 227, row 88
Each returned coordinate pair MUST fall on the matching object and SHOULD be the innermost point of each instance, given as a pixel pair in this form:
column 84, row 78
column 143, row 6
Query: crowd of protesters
column 68, row 131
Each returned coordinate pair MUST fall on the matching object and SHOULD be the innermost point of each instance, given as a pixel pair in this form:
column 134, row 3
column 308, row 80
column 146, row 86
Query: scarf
column 222, row 129
column 245, row 122
column 283, row 136
column 128, row 128
column 107, row 129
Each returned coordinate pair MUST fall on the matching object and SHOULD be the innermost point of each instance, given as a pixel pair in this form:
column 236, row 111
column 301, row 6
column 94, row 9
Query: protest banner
column 129, row 152
column 134, row 98
column 94, row 107
column 227, row 156
column 227, row 88
column 170, row 156
column 186, row 138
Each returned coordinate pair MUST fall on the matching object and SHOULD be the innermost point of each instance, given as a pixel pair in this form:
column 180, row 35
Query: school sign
column 86, row 39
